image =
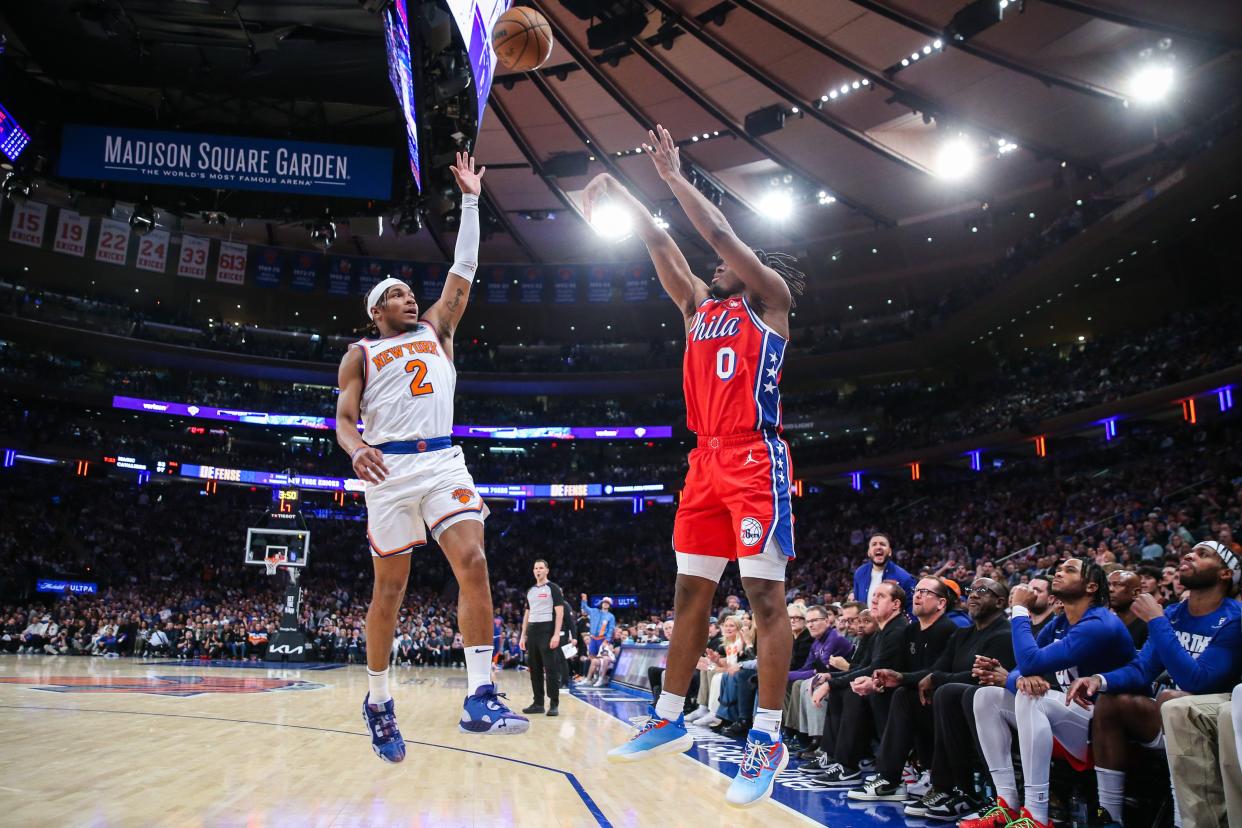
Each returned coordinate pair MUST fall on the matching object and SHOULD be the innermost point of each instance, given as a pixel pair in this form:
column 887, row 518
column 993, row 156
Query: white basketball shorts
column 422, row 491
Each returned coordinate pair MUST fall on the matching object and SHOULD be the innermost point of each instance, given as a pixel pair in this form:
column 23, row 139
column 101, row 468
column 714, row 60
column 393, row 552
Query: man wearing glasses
column 826, row 642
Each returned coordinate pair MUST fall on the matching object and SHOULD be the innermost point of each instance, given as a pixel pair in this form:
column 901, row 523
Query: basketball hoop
column 274, row 562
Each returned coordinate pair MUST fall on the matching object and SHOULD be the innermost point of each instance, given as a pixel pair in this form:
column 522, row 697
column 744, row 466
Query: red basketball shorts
column 736, row 502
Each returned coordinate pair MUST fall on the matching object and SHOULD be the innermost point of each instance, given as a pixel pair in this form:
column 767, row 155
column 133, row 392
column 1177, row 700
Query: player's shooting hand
column 596, row 189
column 369, row 465
column 1081, row 691
column 664, row 153
column 468, row 180
column 1033, row 686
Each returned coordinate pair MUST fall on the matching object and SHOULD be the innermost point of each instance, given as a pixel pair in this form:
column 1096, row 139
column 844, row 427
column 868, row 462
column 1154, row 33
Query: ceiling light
column 937, row 44
column 825, row 97
column 865, row 82
column 777, row 205
column 927, row 50
column 833, row 94
column 856, row 84
column 905, row 61
column 1151, row 83
column 793, row 110
column 611, row 222
column 956, row 159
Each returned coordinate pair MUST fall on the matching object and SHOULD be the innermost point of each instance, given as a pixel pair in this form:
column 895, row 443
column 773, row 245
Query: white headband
column 373, row 297
column 1225, row 554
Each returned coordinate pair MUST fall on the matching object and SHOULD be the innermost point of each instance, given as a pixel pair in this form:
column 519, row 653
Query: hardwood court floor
column 122, row 742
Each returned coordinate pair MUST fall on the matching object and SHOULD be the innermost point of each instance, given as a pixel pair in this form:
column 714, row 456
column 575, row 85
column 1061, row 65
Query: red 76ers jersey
column 732, row 370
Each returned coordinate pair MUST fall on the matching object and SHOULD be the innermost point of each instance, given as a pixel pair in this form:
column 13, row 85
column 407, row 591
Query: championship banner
column 408, row 273
column 565, row 288
column 71, row 230
column 637, row 283
column 599, row 285
column 433, row 282
column 113, row 244
column 153, row 251
column 28, row 222
column 268, row 266
column 231, row 264
column 305, row 271
column 531, row 286
column 224, row 162
column 371, row 273
column 192, row 263
column 498, row 281
column 341, row 276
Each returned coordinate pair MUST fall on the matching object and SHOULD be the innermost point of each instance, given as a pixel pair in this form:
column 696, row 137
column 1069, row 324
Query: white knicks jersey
column 409, row 387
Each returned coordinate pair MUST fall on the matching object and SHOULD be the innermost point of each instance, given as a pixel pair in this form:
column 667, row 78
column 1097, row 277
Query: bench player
column 401, row 385
column 736, row 501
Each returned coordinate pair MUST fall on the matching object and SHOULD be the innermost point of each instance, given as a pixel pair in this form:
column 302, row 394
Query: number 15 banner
column 231, row 266
column 193, row 260
column 28, row 221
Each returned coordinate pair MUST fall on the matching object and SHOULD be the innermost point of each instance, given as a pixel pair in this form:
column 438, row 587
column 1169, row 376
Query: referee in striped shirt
column 541, row 639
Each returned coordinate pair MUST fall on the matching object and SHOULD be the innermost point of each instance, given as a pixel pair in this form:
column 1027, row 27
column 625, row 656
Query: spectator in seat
column 803, row 717
column 879, row 568
column 1123, row 588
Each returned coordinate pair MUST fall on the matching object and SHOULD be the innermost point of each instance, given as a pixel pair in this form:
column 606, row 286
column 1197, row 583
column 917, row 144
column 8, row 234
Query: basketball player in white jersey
column 401, row 385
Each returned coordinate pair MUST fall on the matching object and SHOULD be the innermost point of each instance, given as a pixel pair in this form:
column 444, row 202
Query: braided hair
column 783, row 264
column 1093, row 573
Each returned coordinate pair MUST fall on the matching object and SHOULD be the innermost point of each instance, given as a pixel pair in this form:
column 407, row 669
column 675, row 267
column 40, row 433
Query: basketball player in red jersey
column 736, row 501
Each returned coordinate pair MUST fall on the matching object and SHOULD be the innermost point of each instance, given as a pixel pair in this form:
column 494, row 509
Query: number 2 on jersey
column 726, row 363
column 417, row 385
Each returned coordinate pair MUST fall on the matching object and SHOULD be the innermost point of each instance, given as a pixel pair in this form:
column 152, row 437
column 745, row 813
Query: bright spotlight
column 1151, row 83
column 956, row 159
column 611, row 222
column 777, row 205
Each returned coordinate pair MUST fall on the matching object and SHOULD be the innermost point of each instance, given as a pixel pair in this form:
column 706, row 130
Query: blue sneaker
column 656, row 737
column 484, row 712
column 765, row 758
column 381, row 720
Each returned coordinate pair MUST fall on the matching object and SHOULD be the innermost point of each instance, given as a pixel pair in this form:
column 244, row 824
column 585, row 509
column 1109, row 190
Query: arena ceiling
column 863, row 156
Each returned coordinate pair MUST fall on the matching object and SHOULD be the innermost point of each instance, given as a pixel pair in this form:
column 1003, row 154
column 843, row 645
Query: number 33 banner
column 113, row 246
column 193, row 260
column 231, row 267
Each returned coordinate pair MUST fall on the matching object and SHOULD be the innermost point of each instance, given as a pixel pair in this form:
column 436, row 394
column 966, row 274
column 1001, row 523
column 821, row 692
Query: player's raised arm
column 446, row 313
column 671, row 266
column 714, row 227
column 368, row 462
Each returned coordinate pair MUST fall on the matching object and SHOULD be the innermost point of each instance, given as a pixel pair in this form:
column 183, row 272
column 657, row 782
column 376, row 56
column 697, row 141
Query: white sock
column 1112, row 788
column 478, row 667
column 377, row 683
column 1037, row 802
column 1006, row 786
column 670, row 706
column 769, row 721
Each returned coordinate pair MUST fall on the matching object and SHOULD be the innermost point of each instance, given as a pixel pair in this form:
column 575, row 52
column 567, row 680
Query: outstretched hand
column 469, row 181
column 600, row 186
column 664, row 152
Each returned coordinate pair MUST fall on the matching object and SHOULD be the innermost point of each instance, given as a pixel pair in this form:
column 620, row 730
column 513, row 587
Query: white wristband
column 1020, row 611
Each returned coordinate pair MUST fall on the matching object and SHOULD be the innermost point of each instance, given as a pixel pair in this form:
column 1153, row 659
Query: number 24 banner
column 153, row 251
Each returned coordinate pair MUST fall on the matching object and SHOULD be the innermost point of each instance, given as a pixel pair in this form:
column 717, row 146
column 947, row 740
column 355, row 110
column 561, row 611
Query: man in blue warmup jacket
column 1086, row 638
column 880, row 568
column 1197, row 641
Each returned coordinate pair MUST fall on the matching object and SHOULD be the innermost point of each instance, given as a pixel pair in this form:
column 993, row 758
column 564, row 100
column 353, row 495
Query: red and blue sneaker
column 765, row 758
column 484, row 712
column 655, row 737
column 381, row 720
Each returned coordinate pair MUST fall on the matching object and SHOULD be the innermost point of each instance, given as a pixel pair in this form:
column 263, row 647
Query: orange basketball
column 522, row 39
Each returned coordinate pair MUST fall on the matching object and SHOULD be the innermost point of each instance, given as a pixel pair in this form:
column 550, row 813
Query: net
column 274, row 561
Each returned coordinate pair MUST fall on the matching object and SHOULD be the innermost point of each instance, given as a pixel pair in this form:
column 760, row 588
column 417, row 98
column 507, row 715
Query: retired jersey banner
column 433, row 282
column 371, row 273
column 341, row 276
column 637, row 283
column 267, row 265
column 153, row 251
column 530, row 286
column 224, row 162
column 231, row 265
column 71, row 230
column 29, row 220
column 113, row 244
column 498, row 282
column 192, row 263
column 565, row 288
column 599, row 285
column 304, row 270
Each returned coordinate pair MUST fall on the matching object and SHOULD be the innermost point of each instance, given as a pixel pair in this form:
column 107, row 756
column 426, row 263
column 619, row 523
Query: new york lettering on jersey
column 408, row 389
column 732, row 370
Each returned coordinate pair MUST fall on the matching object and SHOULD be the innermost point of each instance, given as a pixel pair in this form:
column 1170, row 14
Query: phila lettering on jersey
column 409, row 387
column 732, row 370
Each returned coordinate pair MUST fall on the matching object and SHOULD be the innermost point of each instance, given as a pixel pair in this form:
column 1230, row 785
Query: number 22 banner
column 231, row 266
column 192, row 263
column 71, row 234
column 113, row 246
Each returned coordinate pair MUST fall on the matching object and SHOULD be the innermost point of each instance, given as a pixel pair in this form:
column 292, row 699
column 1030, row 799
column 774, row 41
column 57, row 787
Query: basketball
column 522, row 39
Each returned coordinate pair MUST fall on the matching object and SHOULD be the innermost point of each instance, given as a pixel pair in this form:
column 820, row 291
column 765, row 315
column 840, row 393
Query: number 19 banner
column 71, row 229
